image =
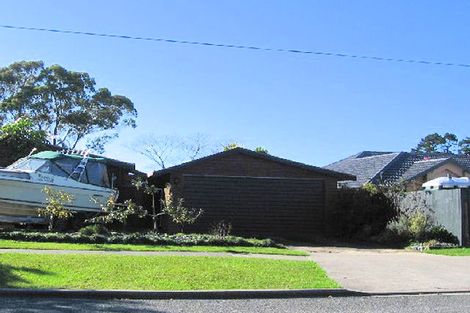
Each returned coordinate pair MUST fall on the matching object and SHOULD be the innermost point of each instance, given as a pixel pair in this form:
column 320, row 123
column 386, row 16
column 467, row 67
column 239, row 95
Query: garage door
column 274, row 207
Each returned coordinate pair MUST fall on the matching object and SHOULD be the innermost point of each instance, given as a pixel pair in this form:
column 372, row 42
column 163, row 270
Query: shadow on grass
column 10, row 275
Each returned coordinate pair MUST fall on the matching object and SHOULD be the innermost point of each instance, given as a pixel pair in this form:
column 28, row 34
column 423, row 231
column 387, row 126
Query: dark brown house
column 259, row 194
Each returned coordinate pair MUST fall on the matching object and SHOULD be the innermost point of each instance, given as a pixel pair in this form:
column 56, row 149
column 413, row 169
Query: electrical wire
column 232, row 46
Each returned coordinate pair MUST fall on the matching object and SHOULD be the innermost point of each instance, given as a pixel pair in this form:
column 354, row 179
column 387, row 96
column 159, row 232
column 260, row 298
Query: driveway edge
column 196, row 294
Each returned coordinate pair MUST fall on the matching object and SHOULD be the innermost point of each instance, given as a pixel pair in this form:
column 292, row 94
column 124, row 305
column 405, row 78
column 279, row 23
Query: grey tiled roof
column 388, row 167
column 463, row 160
column 419, row 168
column 363, row 167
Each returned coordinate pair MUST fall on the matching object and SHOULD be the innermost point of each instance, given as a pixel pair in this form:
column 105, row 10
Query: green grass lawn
column 13, row 244
column 450, row 251
column 75, row 271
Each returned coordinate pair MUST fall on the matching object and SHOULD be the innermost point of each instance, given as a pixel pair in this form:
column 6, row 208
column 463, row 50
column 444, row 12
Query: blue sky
column 313, row 109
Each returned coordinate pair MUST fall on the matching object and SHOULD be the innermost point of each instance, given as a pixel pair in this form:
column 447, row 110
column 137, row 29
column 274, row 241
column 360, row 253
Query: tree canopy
column 65, row 104
column 447, row 143
column 464, row 145
column 17, row 139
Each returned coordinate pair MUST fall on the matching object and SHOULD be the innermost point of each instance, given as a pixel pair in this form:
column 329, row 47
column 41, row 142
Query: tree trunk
column 154, row 215
column 51, row 223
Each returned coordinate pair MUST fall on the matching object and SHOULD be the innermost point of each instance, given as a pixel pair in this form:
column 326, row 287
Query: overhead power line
column 232, row 46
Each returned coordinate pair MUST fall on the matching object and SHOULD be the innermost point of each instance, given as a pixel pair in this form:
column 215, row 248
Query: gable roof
column 264, row 156
column 389, row 167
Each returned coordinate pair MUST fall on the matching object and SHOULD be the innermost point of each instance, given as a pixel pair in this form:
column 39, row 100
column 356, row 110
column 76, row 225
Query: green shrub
column 419, row 225
column 150, row 238
column 18, row 138
column 95, row 229
column 418, row 228
column 397, row 231
column 440, row 234
column 361, row 213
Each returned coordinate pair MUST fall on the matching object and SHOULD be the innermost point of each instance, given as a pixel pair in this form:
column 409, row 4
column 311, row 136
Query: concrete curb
column 417, row 293
column 161, row 295
column 207, row 294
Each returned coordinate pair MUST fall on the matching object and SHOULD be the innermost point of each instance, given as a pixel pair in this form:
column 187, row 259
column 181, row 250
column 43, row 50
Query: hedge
column 139, row 238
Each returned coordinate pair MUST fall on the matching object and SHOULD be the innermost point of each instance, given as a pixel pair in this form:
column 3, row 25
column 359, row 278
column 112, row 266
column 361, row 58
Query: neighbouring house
column 410, row 168
column 258, row 194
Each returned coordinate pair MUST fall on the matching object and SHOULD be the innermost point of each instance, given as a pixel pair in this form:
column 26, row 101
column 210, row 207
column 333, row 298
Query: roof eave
column 435, row 166
column 319, row 170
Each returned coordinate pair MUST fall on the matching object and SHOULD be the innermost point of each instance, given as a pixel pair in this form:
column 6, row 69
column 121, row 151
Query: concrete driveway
column 387, row 270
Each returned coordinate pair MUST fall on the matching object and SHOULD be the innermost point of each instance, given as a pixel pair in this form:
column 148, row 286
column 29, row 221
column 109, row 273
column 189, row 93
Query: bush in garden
column 95, row 229
column 361, row 213
column 442, row 235
column 221, row 229
column 397, row 231
column 417, row 227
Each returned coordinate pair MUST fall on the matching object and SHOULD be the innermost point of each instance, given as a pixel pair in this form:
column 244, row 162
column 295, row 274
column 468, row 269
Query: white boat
column 22, row 184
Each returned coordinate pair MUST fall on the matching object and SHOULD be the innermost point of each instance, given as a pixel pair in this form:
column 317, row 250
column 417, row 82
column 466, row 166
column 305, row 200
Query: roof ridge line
column 386, row 166
column 354, row 156
column 269, row 157
column 436, row 159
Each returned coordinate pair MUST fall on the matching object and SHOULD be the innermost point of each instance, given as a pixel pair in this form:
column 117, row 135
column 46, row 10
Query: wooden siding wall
column 263, row 207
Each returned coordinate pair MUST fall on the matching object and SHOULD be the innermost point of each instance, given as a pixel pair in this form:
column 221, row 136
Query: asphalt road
column 402, row 304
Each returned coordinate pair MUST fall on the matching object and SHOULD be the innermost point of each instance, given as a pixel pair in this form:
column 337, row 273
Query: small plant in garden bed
column 431, row 244
column 179, row 213
column 55, row 208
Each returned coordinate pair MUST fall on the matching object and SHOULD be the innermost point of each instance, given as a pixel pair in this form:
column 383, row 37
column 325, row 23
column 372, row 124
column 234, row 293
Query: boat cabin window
column 54, row 169
column 27, row 164
column 67, row 165
column 96, row 173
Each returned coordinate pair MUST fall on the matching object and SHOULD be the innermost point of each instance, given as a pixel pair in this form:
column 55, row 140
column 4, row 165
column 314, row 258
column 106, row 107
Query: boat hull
column 21, row 199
